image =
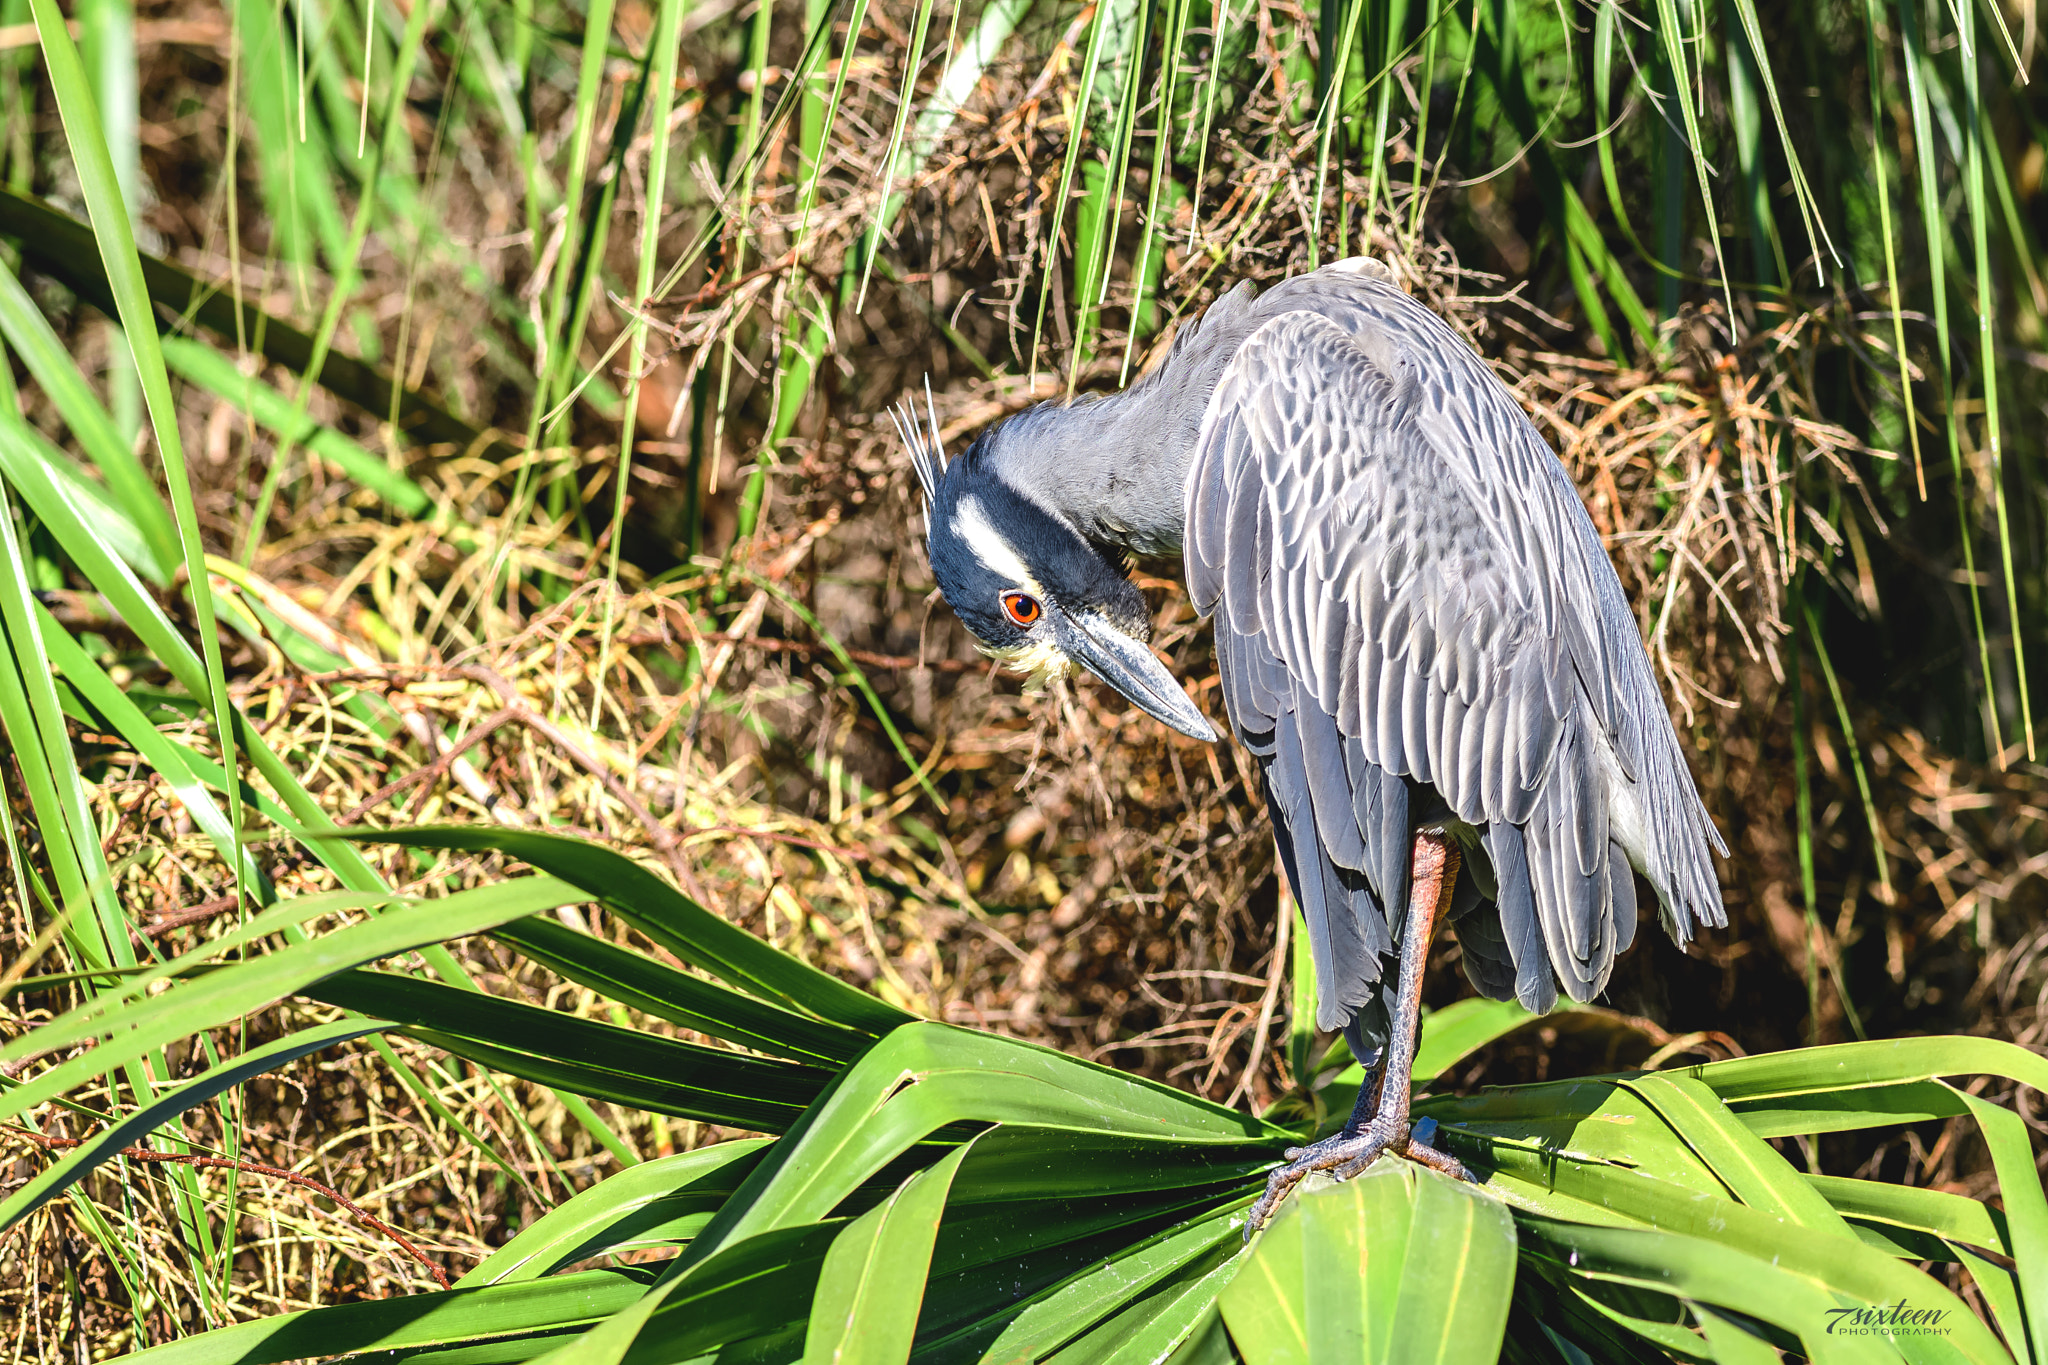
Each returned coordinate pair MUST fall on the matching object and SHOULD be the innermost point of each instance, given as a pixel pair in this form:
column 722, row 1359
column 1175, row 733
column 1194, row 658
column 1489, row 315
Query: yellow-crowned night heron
column 1418, row 632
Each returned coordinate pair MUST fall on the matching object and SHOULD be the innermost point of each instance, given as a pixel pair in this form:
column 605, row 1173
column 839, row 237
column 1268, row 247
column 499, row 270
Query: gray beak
column 1126, row 664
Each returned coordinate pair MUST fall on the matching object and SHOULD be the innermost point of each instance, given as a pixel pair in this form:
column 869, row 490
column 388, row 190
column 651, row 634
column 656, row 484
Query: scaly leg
column 1386, row 1130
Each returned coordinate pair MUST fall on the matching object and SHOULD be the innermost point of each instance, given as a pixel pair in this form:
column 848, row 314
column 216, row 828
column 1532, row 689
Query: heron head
column 1037, row 594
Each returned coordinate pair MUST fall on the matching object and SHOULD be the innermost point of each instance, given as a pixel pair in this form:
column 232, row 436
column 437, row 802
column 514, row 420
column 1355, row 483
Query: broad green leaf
column 754, row 1287
column 1399, row 1264
column 1750, row 1167
column 1842, row 1266
column 1453, row 1033
column 1838, row 1111
column 632, row 1208
column 1805, row 1071
column 925, row 1076
column 2001, row 1289
column 873, row 1280
column 2026, row 1209
column 670, row 918
column 584, row 1056
column 1041, row 1161
column 1733, row 1343
column 488, row 1313
column 1950, row 1217
column 628, row 978
column 921, row 1079
column 1266, row 1307
column 1899, row 1075
column 1061, row 1314
column 1708, row 1272
column 1593, row 1119
column 1158, row 1320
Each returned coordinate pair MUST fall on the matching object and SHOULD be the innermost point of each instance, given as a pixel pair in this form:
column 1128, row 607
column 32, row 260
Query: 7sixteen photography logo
column 1899, row 1319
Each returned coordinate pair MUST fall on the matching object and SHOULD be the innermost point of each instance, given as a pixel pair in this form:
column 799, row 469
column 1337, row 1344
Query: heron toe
column 1348, row 1154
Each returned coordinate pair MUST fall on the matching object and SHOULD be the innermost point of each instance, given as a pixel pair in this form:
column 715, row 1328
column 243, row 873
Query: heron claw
column 1347, row 1154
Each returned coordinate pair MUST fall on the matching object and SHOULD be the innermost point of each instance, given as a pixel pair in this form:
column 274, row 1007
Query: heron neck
column 1117, row 466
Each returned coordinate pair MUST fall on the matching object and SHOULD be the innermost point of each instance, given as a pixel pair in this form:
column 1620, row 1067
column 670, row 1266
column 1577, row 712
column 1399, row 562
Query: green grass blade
column 1988, row 357
column 1913, row 56
column 1880, row 175
column 662, row 78
column 114, row 239
column 1149, row 263
column 1855, row 747
column 295, row 177
column 1802, row 189
column 1676, row 42
column 1091, row 65
column 920, row 29
column 36, row 730
column 62, row 247
column 228, row 995
column 214, row 372
column 805, row 345
column 346, row 272
column 23, row 326
column 165, row 756
column 1124, row 67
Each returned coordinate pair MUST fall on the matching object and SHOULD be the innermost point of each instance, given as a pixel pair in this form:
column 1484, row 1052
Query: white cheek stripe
column 991, row 547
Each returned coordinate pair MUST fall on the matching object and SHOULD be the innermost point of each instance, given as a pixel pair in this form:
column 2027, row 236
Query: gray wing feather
column 1406, row 587
column 1346, row 952
column 1329, row 784
column 1535, row 983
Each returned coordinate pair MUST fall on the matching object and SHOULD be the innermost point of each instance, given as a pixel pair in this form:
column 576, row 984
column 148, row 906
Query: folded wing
column 1412, row 604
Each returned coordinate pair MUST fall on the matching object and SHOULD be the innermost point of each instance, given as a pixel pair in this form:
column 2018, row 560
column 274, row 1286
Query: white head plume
column 927, row 450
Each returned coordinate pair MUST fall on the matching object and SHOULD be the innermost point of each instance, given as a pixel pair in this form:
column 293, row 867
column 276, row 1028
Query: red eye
column 1022, row 608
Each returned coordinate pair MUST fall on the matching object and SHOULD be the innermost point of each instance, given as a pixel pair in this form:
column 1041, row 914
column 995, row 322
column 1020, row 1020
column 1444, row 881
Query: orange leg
column 1435, row 872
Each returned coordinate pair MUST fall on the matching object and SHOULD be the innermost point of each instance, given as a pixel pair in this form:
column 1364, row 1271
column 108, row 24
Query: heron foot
column 1347, row 1154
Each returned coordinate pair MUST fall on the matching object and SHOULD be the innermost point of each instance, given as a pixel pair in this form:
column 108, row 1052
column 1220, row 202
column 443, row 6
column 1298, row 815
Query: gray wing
column 1406, row 586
